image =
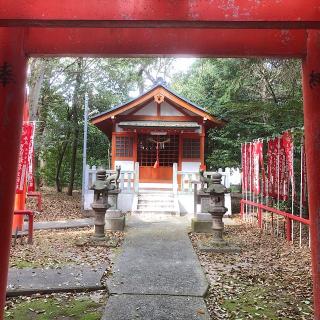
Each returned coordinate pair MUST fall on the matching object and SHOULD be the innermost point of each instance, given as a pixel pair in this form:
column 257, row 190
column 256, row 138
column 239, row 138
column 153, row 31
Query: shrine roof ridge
column 157, row 85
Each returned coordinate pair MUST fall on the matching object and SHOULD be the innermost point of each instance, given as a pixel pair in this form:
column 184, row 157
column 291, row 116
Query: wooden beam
column 164, row 42
column 162, row 14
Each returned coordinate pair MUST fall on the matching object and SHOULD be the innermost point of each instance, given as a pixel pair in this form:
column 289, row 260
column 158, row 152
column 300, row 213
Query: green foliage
column 108, row 82
column 257, row 98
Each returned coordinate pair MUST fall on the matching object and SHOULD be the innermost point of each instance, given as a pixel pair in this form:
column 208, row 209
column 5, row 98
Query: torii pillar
column 311, row 95
column 13, row 70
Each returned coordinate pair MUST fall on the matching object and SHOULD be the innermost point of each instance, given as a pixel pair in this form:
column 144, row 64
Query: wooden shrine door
column 156, row 155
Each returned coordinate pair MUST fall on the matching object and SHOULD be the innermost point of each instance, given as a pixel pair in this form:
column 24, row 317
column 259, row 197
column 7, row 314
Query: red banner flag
column 257, row 164
column 24, row 155
column 272, row 166
column 247, row 167
column 287, row 142
column 31, row 180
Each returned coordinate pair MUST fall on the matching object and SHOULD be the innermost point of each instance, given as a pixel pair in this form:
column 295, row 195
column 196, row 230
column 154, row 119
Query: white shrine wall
column 167, row 109
column 190, row 166
column 126, row 165
column 148, row 110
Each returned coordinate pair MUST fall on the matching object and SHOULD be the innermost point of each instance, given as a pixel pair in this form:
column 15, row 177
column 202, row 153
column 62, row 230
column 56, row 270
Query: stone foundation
column 202, row 223
column 115, row 223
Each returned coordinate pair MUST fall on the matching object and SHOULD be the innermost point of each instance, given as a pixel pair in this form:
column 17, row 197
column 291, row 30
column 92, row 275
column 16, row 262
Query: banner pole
column 301, row 188
column 278, row 182
column 292, row 186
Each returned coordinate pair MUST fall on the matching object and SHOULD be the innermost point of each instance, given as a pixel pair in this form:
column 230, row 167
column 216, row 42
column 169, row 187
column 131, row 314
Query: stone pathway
column 157, row 275
column 28, row 281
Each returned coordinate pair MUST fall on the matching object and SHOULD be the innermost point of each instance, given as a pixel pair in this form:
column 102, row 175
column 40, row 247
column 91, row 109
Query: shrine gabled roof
column 146, row 96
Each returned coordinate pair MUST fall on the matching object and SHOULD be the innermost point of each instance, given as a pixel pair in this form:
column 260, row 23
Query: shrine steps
column 156, row 202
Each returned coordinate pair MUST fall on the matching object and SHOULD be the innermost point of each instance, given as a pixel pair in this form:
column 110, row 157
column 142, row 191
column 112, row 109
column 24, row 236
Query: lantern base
column 109, row 242
column 201, row 226
column 217, row 247
column 115, row 224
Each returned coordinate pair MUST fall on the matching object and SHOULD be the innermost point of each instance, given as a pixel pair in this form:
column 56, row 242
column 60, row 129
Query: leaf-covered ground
column 55, row 249
column 268, row 279
column 57, row 206
column 59, row 247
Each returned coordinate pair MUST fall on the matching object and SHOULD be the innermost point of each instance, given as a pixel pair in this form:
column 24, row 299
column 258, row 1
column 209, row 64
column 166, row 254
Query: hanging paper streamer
column 24, row 155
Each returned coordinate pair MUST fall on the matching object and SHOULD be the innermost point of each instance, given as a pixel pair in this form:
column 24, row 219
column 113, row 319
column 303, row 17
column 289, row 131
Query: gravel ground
column 269, row 279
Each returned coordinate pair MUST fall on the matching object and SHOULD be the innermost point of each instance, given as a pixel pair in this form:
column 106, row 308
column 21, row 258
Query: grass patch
column 54, row 309
column 257, row 302
column 20, row 264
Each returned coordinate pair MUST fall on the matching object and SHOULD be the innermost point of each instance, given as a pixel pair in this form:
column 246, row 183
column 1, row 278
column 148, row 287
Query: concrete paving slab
column 155, row 307
column 158, row 258
column 28, row 281
column 63, row 224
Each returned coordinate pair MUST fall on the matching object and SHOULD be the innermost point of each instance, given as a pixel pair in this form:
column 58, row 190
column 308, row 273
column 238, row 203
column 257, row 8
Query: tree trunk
column 73, row 160
column 59, row 164
column 75, row 107
column 38, row 68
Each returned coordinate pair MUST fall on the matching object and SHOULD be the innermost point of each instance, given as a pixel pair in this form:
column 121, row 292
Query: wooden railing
column 184, row 181
column 127, row 179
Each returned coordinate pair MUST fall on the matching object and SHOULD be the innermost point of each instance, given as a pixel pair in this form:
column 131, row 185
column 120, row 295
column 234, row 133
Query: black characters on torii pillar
column 6, row 74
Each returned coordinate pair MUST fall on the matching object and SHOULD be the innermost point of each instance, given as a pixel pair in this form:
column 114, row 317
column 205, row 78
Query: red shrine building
column 157, row 129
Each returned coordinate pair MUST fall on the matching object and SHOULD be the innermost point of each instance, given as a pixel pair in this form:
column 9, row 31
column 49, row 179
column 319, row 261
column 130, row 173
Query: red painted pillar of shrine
column 13, row 69
column 311, row 94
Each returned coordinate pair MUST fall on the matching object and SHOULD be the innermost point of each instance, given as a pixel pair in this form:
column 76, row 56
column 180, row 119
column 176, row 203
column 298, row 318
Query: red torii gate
column 238, row 28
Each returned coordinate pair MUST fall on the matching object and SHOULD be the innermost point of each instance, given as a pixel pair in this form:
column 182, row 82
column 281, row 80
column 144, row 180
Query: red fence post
column 241, row 209
column 311, row 95
column 13, row 66
column 288, row 229
column 260, row 217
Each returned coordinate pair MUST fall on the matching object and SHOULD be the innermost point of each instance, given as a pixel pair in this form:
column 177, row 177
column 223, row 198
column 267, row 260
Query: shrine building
column 157, row 129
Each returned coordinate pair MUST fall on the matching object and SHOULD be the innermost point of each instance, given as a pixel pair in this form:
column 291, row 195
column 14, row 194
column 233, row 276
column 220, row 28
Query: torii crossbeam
column 217, row 28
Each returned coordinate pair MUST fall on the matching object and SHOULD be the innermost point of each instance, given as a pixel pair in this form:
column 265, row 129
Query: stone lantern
column 115, row 220
column 213, row 201
column 215, row 206
column 100, row 204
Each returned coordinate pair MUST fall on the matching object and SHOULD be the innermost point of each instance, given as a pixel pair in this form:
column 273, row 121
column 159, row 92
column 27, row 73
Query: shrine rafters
column 162, row 14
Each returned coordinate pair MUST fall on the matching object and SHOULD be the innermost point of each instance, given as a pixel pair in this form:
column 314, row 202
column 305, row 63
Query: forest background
column 258, row 98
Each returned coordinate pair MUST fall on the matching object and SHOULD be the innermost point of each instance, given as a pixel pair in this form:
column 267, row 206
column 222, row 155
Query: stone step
column 155, row 211
column 157, row 194
column 155, row 198
column 164, row 207
column 155, row 201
